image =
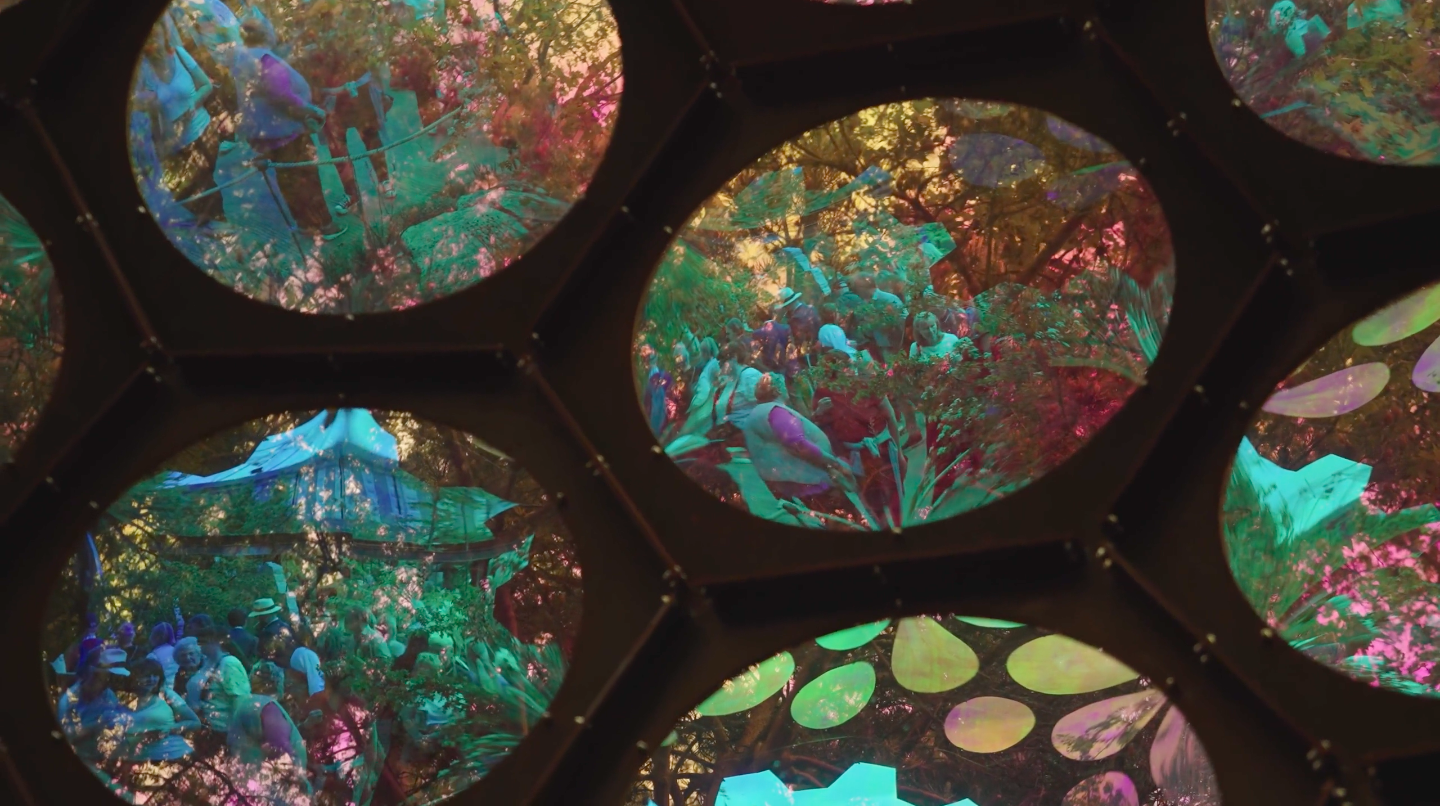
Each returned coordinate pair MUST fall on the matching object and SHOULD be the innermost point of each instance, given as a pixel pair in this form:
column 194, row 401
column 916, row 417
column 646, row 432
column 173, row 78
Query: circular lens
column 337, row 156
column 1041, row 719
column 1358, row 80
column 349, row 602
column 904, row 315
column 1330, row 515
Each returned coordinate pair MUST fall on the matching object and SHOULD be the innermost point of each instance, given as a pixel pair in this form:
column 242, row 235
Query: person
column 303, row 677
column 699, row 390
column 264, row 739
column 219, row 686
column 874, row 316
column 124, row 639
column 271, row 626
column 790, row 452
column 187, row 660
column 341, row 742
column 418, row 643
column 173, row 88
column 930, row 343
column 90, row 715
column 656, row 396
column 160, row 719
column 1302, row 35
column 737, row 395
column 365, row 639
column 245, row 642
column 354, row 90
column 855, row 423
column 276, row 117
column 772, row 338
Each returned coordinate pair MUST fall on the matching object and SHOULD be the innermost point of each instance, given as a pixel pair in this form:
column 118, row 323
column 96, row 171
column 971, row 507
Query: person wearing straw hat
column 89, row 712
column 271, row 625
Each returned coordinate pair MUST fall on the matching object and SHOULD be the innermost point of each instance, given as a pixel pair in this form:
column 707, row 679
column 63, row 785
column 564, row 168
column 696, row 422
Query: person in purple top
column 790, row 452
column 276, row 117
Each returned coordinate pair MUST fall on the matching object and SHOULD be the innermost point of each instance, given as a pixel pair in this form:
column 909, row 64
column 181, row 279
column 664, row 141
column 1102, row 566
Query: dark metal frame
column 1279, row 246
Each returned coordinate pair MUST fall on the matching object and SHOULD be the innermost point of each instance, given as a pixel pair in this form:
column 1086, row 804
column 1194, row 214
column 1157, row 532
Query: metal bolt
column 1244, row 406
column 1267, row 633
column 56, row 735
column 1169, row 682
column 1182, row 116
column 1317, row 765
column 667, row 599
column 1204, row 658
column 1210, row 637
column 895, row 530
column 1324, row 744
column 1089, row 25
column 94, row 505
column 1198, row 648
column 899, row 604
column 1108, row 562
column 1236, row 102
column 1340, row 792
column 1113, row 518
column 1312, row 755
column 642, row 746
column 714, row 86
column 669, row 230
column 657, row 450
column 579, row 720
column 1100, row 552
column 142, row 209
column 349, row 317
column 625, row 209
column 1199, row 390
column 1267, row 229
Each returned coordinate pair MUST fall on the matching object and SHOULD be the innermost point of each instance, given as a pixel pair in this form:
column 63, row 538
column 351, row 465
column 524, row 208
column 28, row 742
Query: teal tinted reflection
column 1025, row 716
column 338, row 156
column 904, row 315
column 1331, row 523
column 31, row 333
column 1355, row 79
column 344, row 607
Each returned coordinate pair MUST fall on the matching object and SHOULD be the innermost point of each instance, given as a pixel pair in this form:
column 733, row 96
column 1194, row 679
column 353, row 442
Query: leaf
column 1400, row 319
column 853, row 637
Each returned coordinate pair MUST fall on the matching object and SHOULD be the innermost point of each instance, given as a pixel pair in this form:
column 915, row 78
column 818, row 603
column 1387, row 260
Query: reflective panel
column 31, row 329
column 339, row 156
column 904, row 315
column 1330, row 516
column 841, row 727
column 342, row 607
column 1355, row 79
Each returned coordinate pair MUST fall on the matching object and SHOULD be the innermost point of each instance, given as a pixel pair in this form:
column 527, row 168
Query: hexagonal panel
column 336, row 156
column 904, row 315
column 344, row 604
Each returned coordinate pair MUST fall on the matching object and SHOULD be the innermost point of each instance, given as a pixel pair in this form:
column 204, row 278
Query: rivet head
column 1100, row 552
column 657, row 450
column 642, row 747
column 1340, row 792
column 1324, row 744
column 667, row 599
column 1113, row 518
column 1108, row 562
column 349, row 317
column 1210, row 637
column 1267, row 633
column 1236, row 102
column 579, row 720
column 1199, row 390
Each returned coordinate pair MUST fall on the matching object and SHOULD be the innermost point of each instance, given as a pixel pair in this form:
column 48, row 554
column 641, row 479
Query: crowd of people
column 260, row 709
column 785, row 388
column 213, row 78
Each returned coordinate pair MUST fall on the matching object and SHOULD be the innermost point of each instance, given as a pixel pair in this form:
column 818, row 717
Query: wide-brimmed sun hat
column 788, row 297
column 113, row 661
column 263, row 607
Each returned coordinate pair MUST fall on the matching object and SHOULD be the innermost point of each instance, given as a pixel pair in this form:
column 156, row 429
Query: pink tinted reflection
column 1179, row 765
column 1335, row 394
column 1105, row 789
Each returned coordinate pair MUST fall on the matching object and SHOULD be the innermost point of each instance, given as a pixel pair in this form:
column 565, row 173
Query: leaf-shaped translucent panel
column 1179, row 765
column 879, row 755
column 992, row 623
column 1354, row 81
column 306, row 554
column 929, row 658
column 988, row 724
column 1328, row 523
column 852, row 637
column 31, row 330
column 1333, row 395
column 1055, row 664
column 1105, row 789
column 356, row 157
column 1400, row 320
column 831, row 285
column 1101, row 729
column 835, row 697
column 1426, row 375
column 747, row 690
